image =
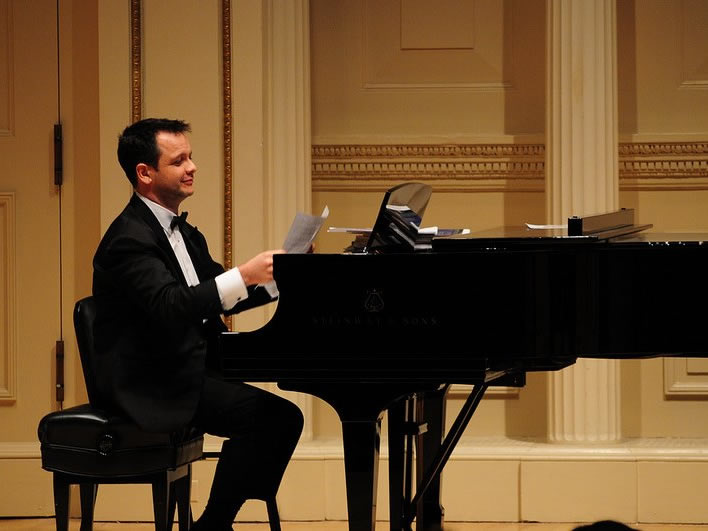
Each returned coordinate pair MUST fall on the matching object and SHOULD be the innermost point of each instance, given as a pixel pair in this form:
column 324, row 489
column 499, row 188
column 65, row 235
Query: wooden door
column 30, row 257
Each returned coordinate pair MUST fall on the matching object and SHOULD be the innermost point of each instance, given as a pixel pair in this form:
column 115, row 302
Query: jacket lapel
column 142, row 211
column 193, row 242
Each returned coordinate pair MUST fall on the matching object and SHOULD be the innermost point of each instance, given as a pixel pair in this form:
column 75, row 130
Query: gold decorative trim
column 228, row 128
column 228, row 136
column 496, row 167
column 534, row 151
column 136, row 54
column 8, row 346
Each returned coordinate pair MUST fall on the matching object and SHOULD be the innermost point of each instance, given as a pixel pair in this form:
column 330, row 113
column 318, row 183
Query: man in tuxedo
column 159, row 298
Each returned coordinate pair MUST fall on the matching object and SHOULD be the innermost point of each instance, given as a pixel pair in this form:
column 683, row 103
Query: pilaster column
column 582, row 179
column 287, row 137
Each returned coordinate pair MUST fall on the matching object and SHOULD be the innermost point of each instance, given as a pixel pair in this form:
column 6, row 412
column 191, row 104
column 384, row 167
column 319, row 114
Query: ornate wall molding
column 459, row 167
column 136, row 61
column 685, row 377
column 496, row 167
column 228, row 127
column 7, row 76
column 226, row 98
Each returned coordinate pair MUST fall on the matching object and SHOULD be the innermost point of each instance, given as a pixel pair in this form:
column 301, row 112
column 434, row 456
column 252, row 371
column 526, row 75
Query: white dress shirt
column 229, row 284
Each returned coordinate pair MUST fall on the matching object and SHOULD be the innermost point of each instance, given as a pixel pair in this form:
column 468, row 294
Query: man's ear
column 142, row 171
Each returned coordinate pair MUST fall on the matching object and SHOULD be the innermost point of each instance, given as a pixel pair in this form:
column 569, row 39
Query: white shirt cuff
column 231, row 288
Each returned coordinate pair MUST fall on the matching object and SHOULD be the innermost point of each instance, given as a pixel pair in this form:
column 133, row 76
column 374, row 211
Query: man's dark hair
column 137, row 143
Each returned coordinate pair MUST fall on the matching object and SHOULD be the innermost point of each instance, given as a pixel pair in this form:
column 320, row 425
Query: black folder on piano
column 399, row 218
column 398, row 224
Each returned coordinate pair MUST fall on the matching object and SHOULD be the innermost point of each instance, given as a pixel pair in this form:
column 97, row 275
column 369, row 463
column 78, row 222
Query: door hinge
column 60, row 371
column 58, row 156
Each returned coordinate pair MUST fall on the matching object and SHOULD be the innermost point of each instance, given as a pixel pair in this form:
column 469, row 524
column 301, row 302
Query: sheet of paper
column 350, row 230
column 540, row 227
column 302, row 233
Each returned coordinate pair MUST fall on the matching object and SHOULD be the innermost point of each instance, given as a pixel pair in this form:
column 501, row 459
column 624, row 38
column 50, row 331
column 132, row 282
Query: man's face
column 173, row 179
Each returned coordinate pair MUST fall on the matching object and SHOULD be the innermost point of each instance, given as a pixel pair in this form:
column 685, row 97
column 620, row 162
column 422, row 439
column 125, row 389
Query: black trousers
column 262, row 431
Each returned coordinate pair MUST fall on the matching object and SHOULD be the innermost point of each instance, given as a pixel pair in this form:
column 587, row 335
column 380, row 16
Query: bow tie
column 178, row 221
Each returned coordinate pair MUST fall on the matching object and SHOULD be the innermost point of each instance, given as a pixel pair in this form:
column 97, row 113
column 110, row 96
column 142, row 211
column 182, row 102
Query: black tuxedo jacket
column 152, row 331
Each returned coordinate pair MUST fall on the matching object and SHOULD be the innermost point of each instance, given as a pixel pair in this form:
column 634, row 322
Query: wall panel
column 367, row 87
column 6, row 68
column 8, row 307
column 662, row 67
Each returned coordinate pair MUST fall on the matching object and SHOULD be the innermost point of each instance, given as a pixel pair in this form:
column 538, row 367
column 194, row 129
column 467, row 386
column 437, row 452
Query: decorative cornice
column 663, row 166
column 450, row 167
column 429, row 150
column 630, row 149
column 496, row 167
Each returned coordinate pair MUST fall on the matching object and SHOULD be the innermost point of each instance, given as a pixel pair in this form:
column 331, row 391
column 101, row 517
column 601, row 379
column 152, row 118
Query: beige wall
column 366, row 90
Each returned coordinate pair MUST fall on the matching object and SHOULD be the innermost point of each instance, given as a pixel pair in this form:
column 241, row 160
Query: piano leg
column 431, row 410
column 433, row 472
column 361, row 465
column 403, row 426
column 396, row 463
column 361, row 431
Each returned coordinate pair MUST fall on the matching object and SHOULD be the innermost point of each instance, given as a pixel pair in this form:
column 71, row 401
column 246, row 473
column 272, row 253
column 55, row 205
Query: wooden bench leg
column 88, row 503
column 160, row 502
column 62, row 497
column 183, row 496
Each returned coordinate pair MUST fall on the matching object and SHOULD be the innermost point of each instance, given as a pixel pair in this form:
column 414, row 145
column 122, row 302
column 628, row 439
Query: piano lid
column 579, row 230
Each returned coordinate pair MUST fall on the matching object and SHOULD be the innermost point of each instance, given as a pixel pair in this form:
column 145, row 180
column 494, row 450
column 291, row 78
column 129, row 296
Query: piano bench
column 83, row 445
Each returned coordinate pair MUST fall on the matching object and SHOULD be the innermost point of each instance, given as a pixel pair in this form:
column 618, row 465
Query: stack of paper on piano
column 426, row 235
column 421, row 237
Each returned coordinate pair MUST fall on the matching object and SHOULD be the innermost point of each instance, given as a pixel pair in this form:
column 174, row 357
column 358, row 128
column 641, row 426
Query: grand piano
column 392, row 324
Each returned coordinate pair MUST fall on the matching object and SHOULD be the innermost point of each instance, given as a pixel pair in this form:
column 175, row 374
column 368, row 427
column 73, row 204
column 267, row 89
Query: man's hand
column 259, row 269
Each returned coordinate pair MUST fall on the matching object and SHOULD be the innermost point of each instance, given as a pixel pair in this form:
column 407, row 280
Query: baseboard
column 25, row 489
column 487, row 479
